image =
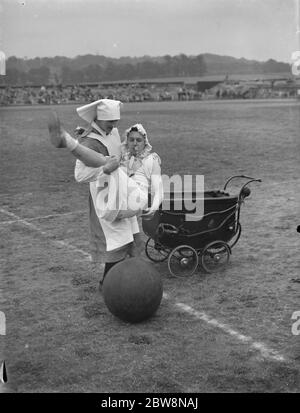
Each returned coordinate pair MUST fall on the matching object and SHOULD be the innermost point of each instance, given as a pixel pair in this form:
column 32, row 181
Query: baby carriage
column 209, row 240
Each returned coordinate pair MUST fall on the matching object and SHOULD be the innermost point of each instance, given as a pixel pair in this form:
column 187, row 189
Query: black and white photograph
column 149, row 199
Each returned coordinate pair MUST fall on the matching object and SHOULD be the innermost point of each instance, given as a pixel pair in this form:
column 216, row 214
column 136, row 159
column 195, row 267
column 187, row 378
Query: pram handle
column 244, row 192
column 241, row 176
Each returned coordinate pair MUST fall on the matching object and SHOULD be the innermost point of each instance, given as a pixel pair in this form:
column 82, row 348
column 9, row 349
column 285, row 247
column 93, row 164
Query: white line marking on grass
column 200, row 315
column 63, row 244
column 38, row 218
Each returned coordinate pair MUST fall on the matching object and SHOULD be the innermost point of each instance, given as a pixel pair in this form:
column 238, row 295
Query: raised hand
column 56, row 131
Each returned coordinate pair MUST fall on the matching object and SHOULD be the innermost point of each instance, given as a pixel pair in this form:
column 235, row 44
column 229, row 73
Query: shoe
column 56, row 133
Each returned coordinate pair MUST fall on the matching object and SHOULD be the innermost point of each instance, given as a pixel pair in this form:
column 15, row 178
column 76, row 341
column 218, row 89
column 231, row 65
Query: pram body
column 176, row 235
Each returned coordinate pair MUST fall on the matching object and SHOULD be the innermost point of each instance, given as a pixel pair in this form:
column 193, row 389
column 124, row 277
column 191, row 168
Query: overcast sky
column 253, row 29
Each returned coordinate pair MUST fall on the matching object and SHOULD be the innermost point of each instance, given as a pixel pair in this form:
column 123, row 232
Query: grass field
column 224, row 332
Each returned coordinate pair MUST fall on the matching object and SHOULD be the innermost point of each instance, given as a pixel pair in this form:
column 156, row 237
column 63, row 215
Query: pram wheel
column 155, row 252
column 183, row 261
column 215, row 256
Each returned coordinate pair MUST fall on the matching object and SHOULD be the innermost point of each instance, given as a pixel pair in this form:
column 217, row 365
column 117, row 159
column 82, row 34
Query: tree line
column 60, row 70
column 99, row 68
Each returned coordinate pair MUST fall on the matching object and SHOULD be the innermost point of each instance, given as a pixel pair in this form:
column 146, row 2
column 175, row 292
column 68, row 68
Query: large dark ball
column 132, row 290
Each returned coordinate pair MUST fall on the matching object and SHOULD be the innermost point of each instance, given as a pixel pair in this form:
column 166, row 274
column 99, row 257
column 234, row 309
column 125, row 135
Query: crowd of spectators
column 51, row 95
column 82, row 94
column 253, row 90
